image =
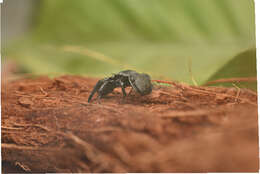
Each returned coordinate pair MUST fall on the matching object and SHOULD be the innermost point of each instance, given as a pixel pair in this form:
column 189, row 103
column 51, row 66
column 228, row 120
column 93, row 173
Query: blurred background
column 192, row 41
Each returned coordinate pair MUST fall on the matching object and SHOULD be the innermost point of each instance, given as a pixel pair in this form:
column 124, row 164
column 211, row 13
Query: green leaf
column 160, row 37
column 242, row 65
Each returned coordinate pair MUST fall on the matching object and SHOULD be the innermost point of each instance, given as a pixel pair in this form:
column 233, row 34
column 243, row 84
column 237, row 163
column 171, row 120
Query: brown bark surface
column 48, row 126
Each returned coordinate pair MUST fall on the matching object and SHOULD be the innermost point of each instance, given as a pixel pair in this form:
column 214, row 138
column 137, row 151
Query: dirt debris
column 48, row 126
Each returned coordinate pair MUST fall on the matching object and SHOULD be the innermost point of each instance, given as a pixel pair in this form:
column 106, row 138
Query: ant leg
column 123, row 88
column 99, row 98
column 130, row 92
column 99, row 84
column 99, row 87
column 123, row 91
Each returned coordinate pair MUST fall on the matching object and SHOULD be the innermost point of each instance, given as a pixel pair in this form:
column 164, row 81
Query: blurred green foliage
column 242, row 65
column 160, row 37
